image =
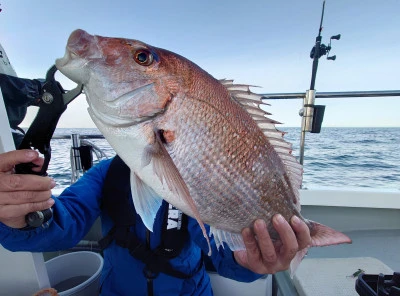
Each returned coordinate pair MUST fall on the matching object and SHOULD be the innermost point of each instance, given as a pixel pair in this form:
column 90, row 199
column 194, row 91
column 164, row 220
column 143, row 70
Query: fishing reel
column 324, row 49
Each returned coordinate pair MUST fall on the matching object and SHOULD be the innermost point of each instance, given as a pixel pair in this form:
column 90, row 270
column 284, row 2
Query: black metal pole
column 317, row 50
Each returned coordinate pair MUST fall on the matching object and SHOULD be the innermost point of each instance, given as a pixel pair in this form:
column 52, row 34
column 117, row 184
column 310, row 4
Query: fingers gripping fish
column 202, row 144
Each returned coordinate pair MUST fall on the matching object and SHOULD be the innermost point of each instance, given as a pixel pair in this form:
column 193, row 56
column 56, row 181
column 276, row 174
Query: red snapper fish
column 204, row 145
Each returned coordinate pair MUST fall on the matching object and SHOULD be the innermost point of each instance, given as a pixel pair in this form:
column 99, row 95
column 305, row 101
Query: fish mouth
column 109, row 112
column 80, row 50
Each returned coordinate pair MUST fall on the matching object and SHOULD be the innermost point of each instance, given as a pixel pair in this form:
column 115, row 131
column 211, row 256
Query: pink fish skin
column 204, row 145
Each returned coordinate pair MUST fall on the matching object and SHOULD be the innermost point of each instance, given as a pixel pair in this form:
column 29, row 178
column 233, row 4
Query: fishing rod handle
column 38, row 218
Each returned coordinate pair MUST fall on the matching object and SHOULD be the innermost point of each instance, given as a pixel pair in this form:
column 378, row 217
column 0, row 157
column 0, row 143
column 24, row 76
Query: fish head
column 125, row 81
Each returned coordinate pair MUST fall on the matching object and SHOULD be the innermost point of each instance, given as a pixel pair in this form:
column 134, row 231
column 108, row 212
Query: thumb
column 9, row 159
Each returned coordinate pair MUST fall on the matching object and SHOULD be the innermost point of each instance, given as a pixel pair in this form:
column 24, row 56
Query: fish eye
column 143, row 57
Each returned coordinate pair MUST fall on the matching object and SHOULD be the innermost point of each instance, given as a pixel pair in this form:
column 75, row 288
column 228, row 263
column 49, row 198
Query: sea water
column 336, row 157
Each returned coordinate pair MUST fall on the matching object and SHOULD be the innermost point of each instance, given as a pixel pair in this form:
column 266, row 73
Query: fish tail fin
column 321, row 235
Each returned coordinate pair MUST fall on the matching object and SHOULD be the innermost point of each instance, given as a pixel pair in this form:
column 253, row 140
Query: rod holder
column 318, row 117
column 308, row 110
column 76, row 166
column 76, row 156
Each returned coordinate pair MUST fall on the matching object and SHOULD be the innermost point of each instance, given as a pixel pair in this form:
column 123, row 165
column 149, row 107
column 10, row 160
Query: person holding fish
column 75, row 210
column 200, row 172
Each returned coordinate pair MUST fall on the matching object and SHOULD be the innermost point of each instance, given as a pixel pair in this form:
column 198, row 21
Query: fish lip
column 63, row 61
column 68, row 56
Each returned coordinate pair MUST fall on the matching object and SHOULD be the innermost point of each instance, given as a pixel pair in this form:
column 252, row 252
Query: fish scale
column 237, row 211
column 240, row 213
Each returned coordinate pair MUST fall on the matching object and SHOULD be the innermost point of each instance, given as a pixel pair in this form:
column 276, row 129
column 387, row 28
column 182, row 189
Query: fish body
column 202, row 144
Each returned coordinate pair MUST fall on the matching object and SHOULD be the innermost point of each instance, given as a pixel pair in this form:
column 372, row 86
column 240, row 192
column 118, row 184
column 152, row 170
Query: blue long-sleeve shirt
column 75, row 211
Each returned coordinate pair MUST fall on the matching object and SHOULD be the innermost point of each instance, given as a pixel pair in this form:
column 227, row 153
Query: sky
column 263, row 43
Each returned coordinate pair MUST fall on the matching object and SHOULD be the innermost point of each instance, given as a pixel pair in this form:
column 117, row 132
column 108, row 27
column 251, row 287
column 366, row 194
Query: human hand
column 22, row 194
column 262, row 256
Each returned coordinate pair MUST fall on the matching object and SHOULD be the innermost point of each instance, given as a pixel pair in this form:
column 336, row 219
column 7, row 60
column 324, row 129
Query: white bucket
column 75, row 274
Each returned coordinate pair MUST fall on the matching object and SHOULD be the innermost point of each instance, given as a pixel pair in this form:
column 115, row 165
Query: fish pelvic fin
column 146, row 201
column 321, row 235
column 166, row 170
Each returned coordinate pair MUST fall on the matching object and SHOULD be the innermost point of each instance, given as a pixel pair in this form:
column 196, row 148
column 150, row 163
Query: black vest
column 118, row 205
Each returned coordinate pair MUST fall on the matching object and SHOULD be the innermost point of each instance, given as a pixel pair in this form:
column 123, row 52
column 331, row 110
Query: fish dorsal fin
column 165, row 169
column 252, row 103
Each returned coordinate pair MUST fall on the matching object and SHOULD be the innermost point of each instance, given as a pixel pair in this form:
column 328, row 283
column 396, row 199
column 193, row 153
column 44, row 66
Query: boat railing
column 307, row 122
column 339, row 94
column 85, row 137
column 309, row 116
column 81, row 153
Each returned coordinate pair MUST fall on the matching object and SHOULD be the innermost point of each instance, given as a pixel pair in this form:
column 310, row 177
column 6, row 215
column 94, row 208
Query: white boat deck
column 370, row 219
column 374, row 251
column 334, row 276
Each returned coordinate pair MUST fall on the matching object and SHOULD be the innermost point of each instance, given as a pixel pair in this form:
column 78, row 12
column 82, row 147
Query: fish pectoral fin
column 166, row 170
column 145, row 200
column 233, row 240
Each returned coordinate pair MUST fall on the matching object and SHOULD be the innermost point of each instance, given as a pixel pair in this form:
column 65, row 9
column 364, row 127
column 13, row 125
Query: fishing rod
column 312, row 115
column 320, row 50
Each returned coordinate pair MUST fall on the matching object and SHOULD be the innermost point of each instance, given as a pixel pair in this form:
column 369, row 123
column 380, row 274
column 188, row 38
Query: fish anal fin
column 145, row 200
column 233, row 240
column 296, row 261
column 165, row 169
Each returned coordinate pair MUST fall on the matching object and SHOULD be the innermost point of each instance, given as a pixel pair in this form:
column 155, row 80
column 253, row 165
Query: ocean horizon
column 338, row 157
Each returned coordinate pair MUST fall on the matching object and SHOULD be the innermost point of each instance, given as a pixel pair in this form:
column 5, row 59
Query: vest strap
column 118, row 205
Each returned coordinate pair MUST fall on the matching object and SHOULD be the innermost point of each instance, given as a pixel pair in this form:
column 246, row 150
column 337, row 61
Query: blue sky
column 264, row 43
